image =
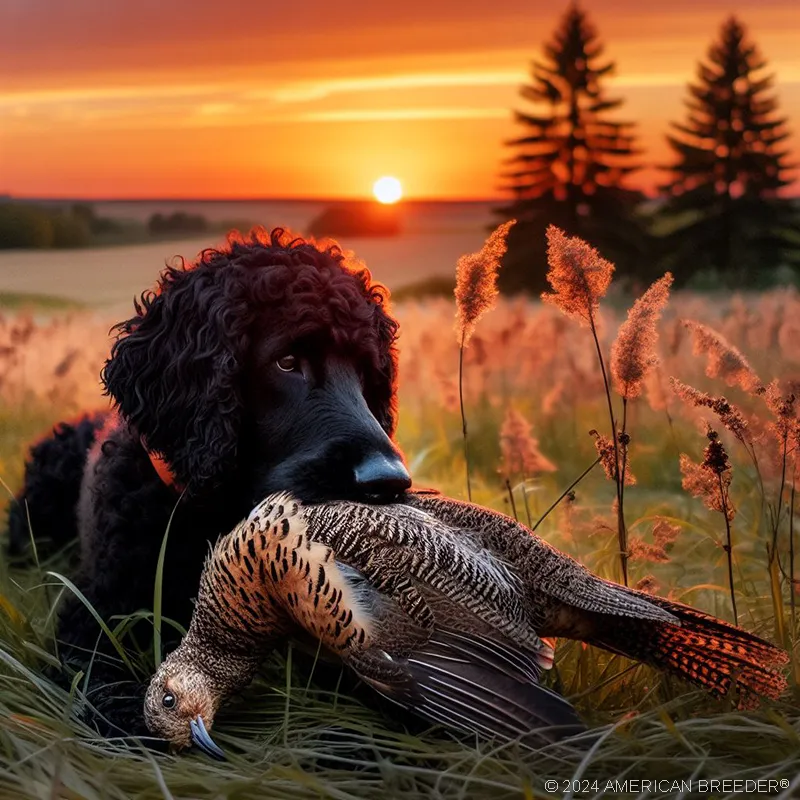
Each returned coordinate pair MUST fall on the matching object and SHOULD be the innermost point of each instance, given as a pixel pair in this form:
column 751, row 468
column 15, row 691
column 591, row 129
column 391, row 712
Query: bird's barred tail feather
column 702, row 649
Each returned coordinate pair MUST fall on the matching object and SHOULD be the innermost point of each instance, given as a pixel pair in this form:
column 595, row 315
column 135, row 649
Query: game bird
column 441, row 606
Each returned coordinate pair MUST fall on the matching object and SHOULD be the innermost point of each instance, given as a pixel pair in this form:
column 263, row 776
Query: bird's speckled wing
column 402, row 550
column 559, row 581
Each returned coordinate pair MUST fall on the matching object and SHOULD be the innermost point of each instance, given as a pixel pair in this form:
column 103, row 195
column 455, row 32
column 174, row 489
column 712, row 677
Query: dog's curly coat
column 194, row 378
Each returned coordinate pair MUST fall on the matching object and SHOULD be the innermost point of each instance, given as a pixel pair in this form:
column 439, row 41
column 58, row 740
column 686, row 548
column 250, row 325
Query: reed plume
column 711, row 480
column 727, row 413
column 724, row 360
column 786, row 430
column 578, row 274
column 633, row 353
column 521, row 455
column 782, row 407
column 476, row 293
column 520, row 449
column 476, row 282
column 609, row 457
column 648, row 584
column 664, row 535
column 580, row 277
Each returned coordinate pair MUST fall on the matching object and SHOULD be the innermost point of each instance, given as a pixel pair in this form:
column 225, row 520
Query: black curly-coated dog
column 267, row 365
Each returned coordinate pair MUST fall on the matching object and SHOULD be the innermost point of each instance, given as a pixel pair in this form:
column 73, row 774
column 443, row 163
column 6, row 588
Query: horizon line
column 253, row 199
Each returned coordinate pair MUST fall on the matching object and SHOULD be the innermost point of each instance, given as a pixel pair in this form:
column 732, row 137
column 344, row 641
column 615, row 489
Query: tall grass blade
column 158, row 589
column 100, row 621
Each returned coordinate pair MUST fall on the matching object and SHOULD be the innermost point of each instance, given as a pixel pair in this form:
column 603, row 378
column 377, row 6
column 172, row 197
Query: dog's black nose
column 381, row 475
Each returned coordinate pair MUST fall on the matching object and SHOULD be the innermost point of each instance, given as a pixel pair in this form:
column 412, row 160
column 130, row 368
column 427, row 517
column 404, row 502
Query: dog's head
column 270, row 363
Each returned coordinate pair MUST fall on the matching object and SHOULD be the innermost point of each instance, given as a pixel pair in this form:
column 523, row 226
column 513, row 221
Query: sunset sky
column 247, row 98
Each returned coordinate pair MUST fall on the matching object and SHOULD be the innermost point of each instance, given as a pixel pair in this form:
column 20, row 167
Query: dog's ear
column 381, row 392
column 173, row 372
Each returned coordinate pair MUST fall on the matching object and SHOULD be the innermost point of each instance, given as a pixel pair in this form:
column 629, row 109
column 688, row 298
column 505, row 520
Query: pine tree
column 570, row 166
column 724, row 212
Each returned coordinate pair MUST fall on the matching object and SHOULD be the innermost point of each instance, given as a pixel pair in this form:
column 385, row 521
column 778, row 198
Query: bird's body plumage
column 443, row 606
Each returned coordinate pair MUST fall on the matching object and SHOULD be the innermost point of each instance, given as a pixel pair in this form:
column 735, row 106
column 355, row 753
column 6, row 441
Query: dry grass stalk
column 476, row 293
column 609, row 457
column 664, row 532
column 709, row 484
column 520, row 449
column 578, row 274
column 580, row 277
column 782, row 407
column 728, row 414
column 724, row 360
column 633, row 353
column 711, row 481
column 648, row 584
column 664, row 535
column 476, row 282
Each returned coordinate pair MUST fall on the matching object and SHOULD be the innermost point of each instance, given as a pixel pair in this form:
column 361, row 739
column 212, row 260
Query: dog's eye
column 288, row 363
column 168, row 700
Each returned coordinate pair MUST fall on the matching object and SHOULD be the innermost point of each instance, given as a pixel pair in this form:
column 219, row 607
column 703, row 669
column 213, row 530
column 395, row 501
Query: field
column 295, row 738
column 433, row 235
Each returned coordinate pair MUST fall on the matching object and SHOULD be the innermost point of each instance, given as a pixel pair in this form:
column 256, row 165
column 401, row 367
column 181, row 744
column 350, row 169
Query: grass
column 29, row 301
column 297, row 733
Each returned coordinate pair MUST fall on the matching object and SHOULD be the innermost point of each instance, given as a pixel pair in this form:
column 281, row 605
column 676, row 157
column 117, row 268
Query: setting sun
column 387, row 189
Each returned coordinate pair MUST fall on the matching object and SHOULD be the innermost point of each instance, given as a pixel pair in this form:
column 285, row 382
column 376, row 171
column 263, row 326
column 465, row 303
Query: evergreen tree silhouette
column 569, row 167
column 724, row 212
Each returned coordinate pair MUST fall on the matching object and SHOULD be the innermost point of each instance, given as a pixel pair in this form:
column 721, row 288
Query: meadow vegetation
column 653, row 502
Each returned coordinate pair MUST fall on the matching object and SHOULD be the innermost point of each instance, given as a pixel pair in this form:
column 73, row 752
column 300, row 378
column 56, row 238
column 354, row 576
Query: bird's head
column 181, row 703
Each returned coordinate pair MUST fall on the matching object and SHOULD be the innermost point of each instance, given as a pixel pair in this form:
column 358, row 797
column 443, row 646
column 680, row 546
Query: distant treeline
column 177, row 223
column 28, row 225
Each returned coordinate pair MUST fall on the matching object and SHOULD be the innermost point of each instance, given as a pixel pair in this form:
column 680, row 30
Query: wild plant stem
column 624, row 448
column 777, row 521
column 525, row 500
column 511, row 498
column 463, row 415
column 791, row 559
column 754, row 458
column 622, row 533
column 566, row 492
column 728, row 547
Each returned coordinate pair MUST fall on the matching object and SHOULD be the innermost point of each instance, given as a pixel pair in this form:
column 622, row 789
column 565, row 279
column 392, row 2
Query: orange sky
column 249, row 98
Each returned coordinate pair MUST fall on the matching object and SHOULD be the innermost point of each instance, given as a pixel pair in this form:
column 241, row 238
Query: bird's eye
column 288, row 363
column 168, row 700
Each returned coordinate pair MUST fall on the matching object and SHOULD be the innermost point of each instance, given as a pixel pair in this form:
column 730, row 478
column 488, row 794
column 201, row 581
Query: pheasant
column 442, row 606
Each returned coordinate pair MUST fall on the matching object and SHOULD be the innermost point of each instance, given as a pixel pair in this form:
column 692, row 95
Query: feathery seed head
column 782, row 407
column 664, row 535
column 605, row 450
column 476, row 282
column 728, row 414
column 664, row 532
column 724, row 360
column 578, row 274
column 714, row 457
column 711, row 479
column 608, row 456
column 180, row 694
column 640, row 550
column 633, row 352
column 648, row 584
column 520, row 449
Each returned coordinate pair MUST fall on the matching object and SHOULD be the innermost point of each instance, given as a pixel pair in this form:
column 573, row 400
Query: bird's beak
column 203, row 740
